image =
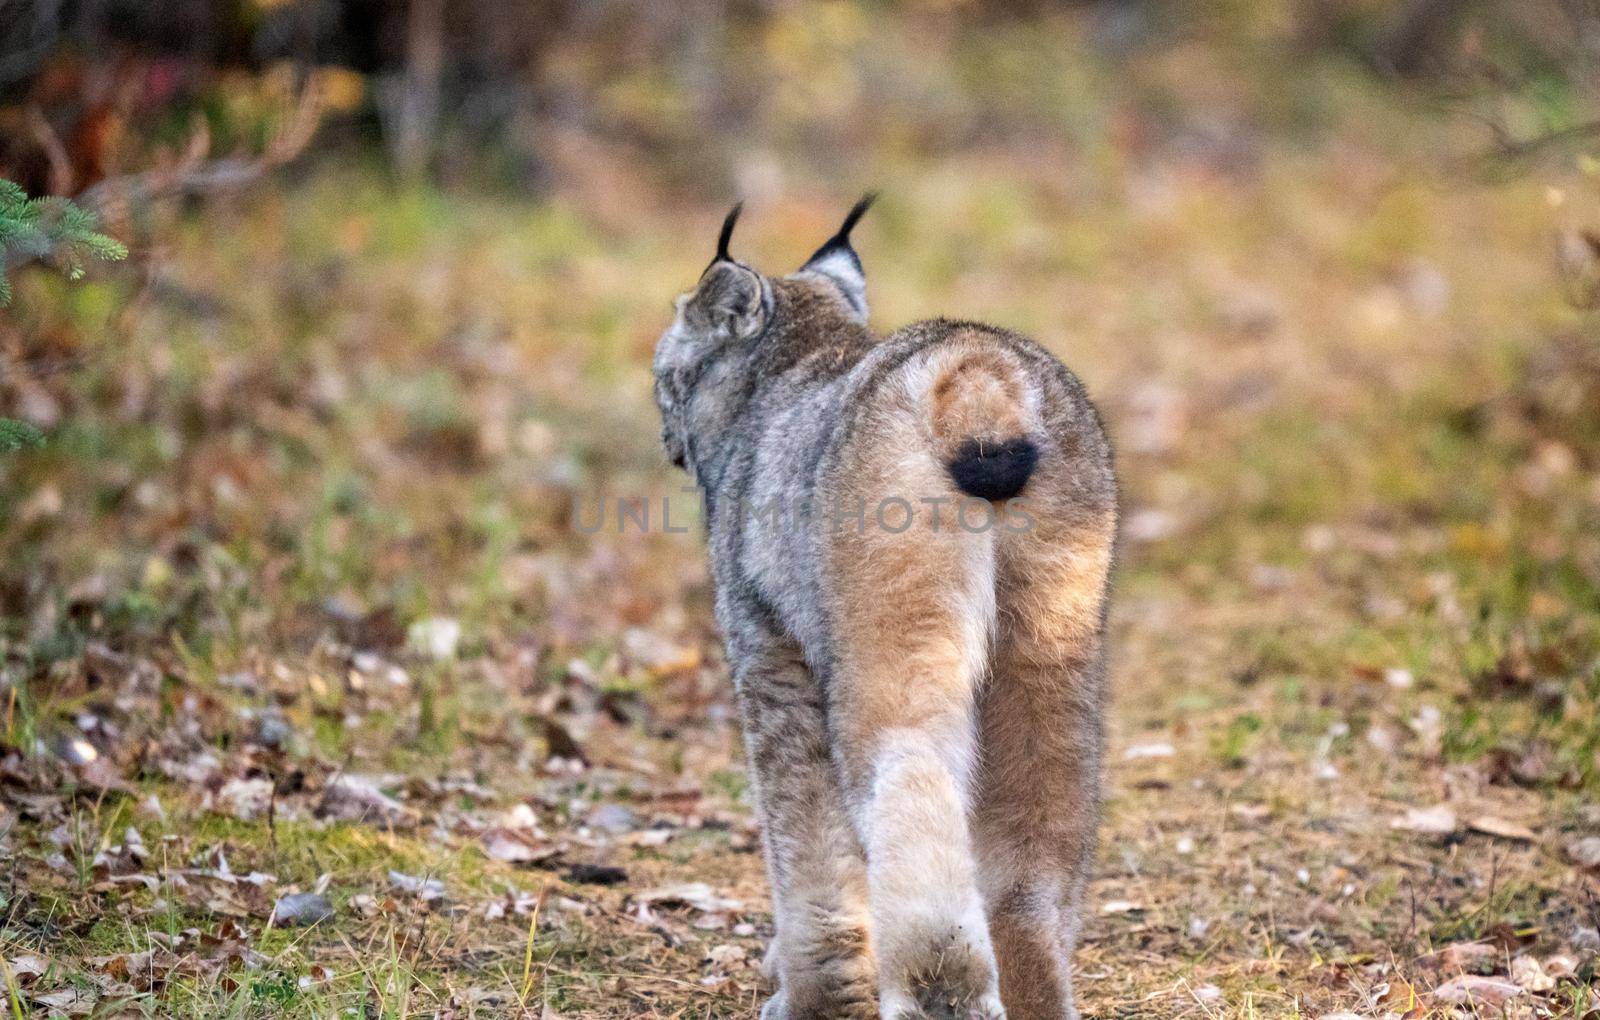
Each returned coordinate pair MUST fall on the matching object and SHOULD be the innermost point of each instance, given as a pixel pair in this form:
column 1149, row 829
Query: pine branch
column 55, row 229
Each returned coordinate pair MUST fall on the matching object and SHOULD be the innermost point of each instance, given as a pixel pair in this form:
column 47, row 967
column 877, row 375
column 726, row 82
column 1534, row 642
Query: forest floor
column 302, row 628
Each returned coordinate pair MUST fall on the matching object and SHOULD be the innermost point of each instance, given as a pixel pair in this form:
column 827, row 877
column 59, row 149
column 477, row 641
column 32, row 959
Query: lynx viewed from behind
column 910, row 537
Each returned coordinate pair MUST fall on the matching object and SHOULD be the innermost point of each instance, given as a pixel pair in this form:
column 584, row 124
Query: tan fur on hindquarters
column 1040, row 714
column 921, row 692
column 914, row 611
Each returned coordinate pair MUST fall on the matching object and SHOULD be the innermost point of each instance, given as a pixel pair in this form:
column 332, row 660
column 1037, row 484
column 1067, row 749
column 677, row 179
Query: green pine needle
column 50, row 228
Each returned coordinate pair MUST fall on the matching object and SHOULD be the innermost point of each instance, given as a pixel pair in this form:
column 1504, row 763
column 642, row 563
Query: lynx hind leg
column 911, row 600
column 1040, row 721
column 820, row 957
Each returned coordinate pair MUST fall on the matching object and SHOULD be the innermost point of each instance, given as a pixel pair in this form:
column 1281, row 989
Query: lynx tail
column 982, row 424
column 994, row 471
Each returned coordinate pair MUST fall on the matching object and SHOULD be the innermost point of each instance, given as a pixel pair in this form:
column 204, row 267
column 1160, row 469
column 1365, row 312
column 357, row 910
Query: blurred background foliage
column 485, row 90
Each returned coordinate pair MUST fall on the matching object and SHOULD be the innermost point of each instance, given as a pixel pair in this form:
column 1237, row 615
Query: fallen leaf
column 1400, row 996
column 355, row 798
column 73, row 1001
column 244, row 799
column 613, row 818
column 428, row 890
column 1585, row 853
column 28, row 965
column 1120, row 907
column 1561, row 967
column 1461, row 956
column 520, row 816
column 1526, row 973
column 691, row 894
column 1141, row 751
column 1489, row 825
column 1474, row 988
column 516, row 846
column 1435, row 821
column 301, row 909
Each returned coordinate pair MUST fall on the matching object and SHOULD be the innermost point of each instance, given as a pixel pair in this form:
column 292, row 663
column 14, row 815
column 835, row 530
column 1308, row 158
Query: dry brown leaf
column 27, row 966
column 517, row 846
column 71, row 1001
column 1474, row 988
column 559, row 742
column 1435, row 821
column 354, row 798
column 1489, row 825
column 1461, row 956
column 428, row 890
column 698, row 895
column 302, row 909
column 1526, row 972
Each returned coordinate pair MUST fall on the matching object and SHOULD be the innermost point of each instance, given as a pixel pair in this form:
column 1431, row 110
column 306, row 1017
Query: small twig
column 1411, row 928
column 272, row 817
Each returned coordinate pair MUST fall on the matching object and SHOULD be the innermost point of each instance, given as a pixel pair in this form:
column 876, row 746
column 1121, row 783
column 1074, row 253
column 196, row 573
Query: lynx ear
column 731, row 299
column 838, row 261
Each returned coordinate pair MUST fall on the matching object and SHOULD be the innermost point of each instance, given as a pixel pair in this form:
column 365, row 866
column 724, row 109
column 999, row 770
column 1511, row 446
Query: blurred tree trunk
column 416, row 114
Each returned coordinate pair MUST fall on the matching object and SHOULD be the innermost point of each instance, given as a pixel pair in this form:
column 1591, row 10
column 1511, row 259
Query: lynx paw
column 988, row 1009
column 852, row 1005
column 833, row 977
column 955, row 981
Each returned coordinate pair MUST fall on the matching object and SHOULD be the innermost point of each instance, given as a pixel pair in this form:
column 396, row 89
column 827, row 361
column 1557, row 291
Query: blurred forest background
column 315, row 702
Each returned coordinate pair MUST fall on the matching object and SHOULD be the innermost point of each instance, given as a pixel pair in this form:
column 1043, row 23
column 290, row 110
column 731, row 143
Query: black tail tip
column 994, row 471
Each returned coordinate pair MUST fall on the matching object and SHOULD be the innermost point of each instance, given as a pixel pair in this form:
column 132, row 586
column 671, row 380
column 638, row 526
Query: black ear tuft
column 855, row 214
column 727, row 234
column 837, row 260
column 840, row 241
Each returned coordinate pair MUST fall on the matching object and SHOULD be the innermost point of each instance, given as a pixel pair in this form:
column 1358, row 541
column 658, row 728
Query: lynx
column 911, row 537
